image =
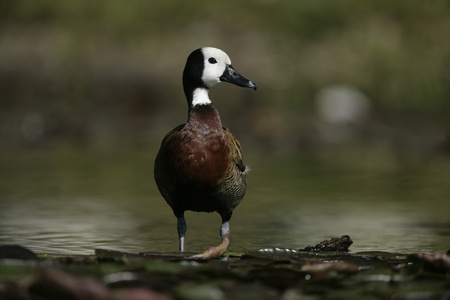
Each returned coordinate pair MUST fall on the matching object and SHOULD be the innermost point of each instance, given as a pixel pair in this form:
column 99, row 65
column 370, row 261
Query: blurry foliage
column 110, row 70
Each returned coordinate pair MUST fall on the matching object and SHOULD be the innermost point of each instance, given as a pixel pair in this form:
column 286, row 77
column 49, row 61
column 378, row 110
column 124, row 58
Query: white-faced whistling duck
column 199, row 166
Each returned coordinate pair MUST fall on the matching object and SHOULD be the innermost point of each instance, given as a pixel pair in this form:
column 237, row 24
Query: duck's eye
column 212, row 60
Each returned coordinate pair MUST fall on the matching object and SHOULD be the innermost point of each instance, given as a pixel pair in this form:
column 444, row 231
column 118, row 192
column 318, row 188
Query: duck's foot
column 214, row 252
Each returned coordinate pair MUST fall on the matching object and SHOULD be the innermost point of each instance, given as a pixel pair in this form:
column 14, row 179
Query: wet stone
column 16, row 252
column 438, row 262
column 334, row 244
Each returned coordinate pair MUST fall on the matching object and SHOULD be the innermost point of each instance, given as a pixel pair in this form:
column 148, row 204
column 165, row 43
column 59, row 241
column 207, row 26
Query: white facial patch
column 200, row 97
column 215, row 62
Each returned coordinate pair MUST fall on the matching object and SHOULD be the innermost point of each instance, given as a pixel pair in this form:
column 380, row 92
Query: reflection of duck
column 199, row 165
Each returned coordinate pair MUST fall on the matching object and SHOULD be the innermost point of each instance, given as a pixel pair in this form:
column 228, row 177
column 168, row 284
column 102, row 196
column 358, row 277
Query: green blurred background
column 108, row 73
column 352, row 101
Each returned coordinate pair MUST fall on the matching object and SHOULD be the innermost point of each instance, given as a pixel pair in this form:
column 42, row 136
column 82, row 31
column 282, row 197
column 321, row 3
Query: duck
column 199, row 166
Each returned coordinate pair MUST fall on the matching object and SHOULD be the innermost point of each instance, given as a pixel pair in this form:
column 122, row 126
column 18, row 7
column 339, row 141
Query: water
column 66, row 201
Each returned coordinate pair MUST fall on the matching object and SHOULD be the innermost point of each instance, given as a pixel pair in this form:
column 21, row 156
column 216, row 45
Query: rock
column 16, row 252
column 438, row 262
column 335, row 244
column 54, row 284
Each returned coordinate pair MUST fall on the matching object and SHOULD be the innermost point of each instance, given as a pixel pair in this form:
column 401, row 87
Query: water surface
column 71, row 202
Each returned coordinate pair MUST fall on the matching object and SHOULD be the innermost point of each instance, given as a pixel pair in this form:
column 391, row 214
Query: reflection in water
column 77, row 226
column 283, row 208
column 87, row 224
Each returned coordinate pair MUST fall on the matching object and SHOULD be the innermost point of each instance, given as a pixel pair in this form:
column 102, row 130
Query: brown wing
column 235, row 146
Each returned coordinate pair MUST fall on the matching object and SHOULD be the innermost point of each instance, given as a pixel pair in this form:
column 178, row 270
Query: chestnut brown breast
column 200, row 151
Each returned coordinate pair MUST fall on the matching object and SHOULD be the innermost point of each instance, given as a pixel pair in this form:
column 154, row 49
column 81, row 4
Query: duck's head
column 206, row 67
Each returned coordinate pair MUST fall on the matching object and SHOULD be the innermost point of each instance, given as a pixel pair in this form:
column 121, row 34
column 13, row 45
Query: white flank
column 200, row 97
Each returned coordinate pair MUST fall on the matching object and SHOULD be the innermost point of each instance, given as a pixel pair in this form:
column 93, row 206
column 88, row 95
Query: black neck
column 192, row 75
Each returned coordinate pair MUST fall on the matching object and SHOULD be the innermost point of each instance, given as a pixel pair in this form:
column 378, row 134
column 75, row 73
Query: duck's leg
column 181, row 227
column 217, row 251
